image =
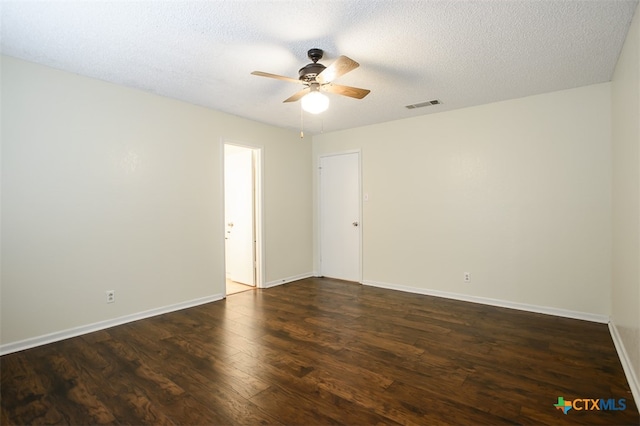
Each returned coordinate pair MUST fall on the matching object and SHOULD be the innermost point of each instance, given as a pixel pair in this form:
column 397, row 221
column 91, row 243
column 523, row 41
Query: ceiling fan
column 316, row 77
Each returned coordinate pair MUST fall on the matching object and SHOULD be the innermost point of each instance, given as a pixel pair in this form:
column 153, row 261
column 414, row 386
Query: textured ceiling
column 463, row 53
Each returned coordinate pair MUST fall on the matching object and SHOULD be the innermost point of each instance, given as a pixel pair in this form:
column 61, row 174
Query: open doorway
column 242, row 213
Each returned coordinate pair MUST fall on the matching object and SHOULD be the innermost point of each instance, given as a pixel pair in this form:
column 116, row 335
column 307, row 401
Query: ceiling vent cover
column 423, row 104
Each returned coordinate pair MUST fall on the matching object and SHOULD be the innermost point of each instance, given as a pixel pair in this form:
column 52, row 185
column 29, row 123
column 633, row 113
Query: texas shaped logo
column 563, row 405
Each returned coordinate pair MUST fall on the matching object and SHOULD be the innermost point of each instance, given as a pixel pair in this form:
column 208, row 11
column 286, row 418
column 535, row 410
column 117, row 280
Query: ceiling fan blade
column 352, row 92
column 279, row 77
column 341, row 66
column 297, row 96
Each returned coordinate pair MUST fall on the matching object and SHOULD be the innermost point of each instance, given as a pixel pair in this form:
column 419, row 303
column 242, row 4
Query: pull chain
column 301, row 122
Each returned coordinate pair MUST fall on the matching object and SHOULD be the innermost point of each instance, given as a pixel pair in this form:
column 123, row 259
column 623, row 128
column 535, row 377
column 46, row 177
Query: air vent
column 423, row 104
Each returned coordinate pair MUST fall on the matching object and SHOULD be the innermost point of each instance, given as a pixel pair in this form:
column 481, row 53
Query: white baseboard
column 288, row 279
column 101, row 325
column 632, row 379
column 603, row 319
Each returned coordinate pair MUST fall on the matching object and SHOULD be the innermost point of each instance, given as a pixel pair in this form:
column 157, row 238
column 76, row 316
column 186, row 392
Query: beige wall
column 105, row 187
column 517, row 193
column 625, row 312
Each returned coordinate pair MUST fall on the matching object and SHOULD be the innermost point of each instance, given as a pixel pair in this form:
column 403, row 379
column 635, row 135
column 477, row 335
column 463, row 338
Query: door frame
column 258, row 153
column 319, row 208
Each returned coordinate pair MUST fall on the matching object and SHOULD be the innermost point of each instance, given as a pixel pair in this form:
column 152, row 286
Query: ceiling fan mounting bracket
column 315, row 54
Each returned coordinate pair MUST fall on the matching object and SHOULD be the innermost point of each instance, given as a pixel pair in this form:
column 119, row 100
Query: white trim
column 289, row 279
column 632, row 379
column 222, row 224
column 603, row 319
column 361, row 217
column 101, row 325
column 336, row 153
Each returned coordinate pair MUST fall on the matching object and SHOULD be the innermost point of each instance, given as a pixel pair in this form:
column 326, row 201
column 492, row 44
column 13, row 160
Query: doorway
column 242, row 218
column 340, row 224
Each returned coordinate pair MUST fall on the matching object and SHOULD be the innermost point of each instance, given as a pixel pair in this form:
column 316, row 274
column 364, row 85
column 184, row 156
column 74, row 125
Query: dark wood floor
column 322, row 351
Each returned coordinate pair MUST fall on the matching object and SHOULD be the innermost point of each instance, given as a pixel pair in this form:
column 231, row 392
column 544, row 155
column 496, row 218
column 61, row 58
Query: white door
column 340, row 216
column 239, row 214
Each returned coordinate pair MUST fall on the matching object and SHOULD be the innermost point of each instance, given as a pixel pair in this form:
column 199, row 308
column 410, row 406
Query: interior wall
column 625, row 311
column 518, row 193
column 110, row 188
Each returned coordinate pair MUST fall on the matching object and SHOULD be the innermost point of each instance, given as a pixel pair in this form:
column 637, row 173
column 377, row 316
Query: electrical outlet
column 111, row 296
column 467, row 277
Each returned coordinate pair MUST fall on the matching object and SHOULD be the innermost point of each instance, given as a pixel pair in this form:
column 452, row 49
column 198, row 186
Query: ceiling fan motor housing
column 309, row 72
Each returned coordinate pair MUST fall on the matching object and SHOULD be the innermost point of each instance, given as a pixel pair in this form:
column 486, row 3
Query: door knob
column 355, row 223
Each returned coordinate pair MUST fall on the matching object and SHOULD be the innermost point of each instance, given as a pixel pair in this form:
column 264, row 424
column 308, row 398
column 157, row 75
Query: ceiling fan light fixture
column 315, row 102
column 315, row 76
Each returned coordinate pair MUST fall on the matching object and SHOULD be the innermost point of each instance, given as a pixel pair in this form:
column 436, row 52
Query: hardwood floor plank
column 286, row 374
column 228, row 405
column 441, row 379
column 291, row 408
column 322, row 351
column 320, row 361
column 223, row 404
column 133, row 406
column 23, row 393
column 70, row 392
column 152, row 379
column 446, row 409
column 215, row 369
